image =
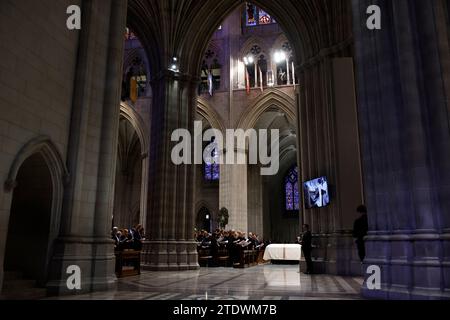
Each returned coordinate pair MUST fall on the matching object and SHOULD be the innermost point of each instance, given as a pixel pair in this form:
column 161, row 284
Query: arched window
column 291, row 189
column 204, row 220
column 211, row 73
column 135, row 78
column 212, row 165
column 255, row 16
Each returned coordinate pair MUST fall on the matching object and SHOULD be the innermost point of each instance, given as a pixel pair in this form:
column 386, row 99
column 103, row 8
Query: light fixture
column 207, row 217
column 174, row 65
column 249, row 60
column 279, row 56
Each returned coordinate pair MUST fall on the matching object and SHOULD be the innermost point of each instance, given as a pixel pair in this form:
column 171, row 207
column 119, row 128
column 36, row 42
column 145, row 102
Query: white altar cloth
column 291, row 252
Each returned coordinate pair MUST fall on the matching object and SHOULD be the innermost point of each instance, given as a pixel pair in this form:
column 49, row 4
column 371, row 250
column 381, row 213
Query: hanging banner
column 247, row 81
column 133, row 90
column 261, row 81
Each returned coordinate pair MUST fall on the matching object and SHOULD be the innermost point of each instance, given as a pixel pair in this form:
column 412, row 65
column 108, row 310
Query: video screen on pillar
column 159, row 149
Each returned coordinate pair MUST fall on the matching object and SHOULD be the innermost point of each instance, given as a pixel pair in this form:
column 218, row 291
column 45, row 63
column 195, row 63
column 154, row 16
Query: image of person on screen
column 317, row 193
column 322, row 187
column 306, row 244
column 360, row 229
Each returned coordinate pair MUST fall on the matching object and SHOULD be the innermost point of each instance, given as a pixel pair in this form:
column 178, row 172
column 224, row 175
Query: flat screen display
column 316, row 193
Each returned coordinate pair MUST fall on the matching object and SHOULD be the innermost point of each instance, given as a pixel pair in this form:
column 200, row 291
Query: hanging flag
column 270, row 80
column 133, row 90
column 293, row 74
column 261, row 82
column 247, row 81
column 210, row 83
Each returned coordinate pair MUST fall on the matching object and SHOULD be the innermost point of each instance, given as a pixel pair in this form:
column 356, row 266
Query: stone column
column 255, row 203
column 329, row 146
column 171, row 218
column 233, row 194
column 104, row 265
column 403, row 109
column 88, row 199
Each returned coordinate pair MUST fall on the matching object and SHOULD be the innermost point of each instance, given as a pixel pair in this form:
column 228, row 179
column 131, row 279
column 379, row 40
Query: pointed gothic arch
column 263, row 103
column 205, row 110
column 250, row 43
column 50, row 153
column 40, row 151
column 127, row 112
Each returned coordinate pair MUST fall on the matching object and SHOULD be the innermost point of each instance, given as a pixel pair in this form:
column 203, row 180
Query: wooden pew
column 224, row 257
column 204, row 257
column 247, row 259
column 128, row 263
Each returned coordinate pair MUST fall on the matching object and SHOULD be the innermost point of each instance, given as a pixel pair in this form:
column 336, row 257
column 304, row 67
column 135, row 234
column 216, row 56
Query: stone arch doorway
column 204, row 220
column 35, row 191
column 269, row 218
column 130, row 200
column 29, row 224
column 128, row 177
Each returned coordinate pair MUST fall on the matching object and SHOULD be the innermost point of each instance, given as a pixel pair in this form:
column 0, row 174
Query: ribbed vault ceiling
column 183, row 28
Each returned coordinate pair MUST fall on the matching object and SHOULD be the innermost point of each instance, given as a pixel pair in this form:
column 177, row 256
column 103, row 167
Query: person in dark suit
column 137, row 237
column 306, row 243
column 360, row 229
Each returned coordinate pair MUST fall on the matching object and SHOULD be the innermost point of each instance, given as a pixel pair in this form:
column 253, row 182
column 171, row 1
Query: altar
column 286, row 252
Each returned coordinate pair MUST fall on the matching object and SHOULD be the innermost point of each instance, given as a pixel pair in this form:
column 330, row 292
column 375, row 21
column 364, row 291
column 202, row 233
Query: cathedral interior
column 86, row 145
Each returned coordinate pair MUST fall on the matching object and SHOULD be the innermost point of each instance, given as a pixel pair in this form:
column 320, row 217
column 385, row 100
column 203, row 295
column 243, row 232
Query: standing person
column 360, row 229
column 306, row 243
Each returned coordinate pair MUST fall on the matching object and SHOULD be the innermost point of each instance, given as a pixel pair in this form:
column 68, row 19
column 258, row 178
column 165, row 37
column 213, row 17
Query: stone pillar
column 343, row 259
column 88, row 200
column 171, row 218
column 403, row 111
column 233, row 194
column 255, row 203
column 104, row 266
column 328, row 146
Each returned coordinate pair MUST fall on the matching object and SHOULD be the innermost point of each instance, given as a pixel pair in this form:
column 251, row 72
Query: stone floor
column 264, row 282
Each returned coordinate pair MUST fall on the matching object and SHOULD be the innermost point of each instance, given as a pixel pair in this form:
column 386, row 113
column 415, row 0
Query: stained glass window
column 212, row 166
column 264, row 17
column 291, row 189
column 255, row 16
column 251, row 15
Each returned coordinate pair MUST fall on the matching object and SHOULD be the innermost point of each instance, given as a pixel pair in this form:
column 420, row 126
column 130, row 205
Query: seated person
column 125, row 242
column 118, row 236
column 235, row 247
column 245, row 242
column 137, row 238
column 114, row 236
column 259, row 245
column 206, row 242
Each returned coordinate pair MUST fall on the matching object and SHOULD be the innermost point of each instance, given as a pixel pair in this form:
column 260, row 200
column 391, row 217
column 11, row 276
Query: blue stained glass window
column 289, row 197
column 212, row 165
column 291, row 189
column 296, row 197
column 250, row 14
column 255, row 16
